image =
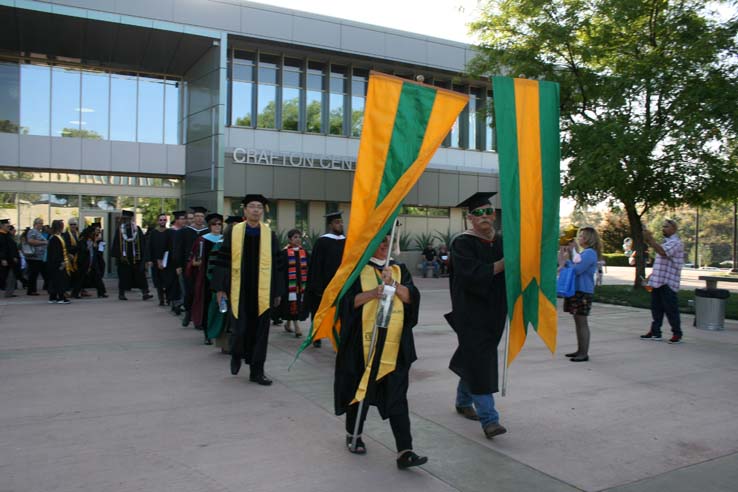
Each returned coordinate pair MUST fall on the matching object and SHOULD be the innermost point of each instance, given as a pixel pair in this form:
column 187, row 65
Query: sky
column 445, row 19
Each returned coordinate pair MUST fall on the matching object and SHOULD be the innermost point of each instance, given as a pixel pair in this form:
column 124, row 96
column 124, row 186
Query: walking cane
column 389, row 293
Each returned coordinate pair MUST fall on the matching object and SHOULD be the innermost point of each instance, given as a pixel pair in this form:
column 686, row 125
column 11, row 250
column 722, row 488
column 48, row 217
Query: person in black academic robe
column 131, row 255
column 389, row 394
column 57, row 265
column 157, row 244
column 90, row 262
column 250, row 327
column 172, row 279
column 71, row 241
column 186, row 237
column 296, row 262
column 197, row 270
column 479, row 306
column 8, row 255
column 325, row 258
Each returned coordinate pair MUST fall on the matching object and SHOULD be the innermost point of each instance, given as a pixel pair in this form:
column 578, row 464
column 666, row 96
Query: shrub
column 615, row 259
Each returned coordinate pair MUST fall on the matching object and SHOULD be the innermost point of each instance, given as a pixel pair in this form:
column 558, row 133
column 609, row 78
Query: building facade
column 149, row 106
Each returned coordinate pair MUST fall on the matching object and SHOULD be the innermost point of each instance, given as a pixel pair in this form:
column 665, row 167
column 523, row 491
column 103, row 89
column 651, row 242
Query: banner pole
column 503, row 392
column 372, row 347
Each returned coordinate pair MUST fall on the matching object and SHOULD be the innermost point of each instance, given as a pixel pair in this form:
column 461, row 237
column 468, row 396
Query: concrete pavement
column 103, row 395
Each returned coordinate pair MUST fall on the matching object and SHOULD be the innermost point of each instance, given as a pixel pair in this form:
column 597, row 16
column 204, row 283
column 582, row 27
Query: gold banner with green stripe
column 404, row 124
column 527, row 118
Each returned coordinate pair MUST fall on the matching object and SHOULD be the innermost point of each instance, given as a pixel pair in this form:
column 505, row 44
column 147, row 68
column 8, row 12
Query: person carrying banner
column 247, row 272
column 384, row 383
column 479, row 309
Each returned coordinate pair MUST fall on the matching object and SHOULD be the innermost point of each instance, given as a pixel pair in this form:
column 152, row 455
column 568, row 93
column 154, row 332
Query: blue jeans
column 664, row 301
column 483, row 404
column 427, row 264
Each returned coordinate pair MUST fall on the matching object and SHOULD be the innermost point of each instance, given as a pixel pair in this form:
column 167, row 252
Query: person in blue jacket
column 580, row 304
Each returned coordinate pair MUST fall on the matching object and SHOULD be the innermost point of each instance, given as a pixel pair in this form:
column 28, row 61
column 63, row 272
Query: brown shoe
column 467, row 412
column 494, row 429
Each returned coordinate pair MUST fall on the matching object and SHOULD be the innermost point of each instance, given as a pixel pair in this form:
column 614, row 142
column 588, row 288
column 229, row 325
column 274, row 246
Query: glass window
column 150, row 110
column 171, row 112
column 314, row 98
column 63, row 207
column 271, row 215
column 94, row 110
column 39, row 177
column 337, row 99
column 489, row 139
column 459, row 132
column 64, row 177
column 359, row 80
column 147, row 211
column 474, row 108
column 93, row 179
column 266, row 106
column 65, row 102
column 8, row 175
column 241, row 99
column 8, row 209
column 30, row 207
column 301, row 215
column 268, row 69
column 438, row 212
column 169, row 205
column 9, row 97
column 35, row 99
column 291, row 76
column 123, row 96
column 99, row 202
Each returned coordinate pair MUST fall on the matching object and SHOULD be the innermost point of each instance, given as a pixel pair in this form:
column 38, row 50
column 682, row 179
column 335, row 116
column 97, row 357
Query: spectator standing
column 580, row 304
column 35, row 261
column 443, row 258
column 664, row 281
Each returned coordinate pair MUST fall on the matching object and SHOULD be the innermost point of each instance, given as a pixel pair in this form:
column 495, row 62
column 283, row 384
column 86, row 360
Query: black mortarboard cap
column 127, row 213
column 477, row 200
column 199, row 210
column 4, row 221
column 213, row 216
column 96, row 224
column 332, row 216
column 233, row 219
column 251, row 197
column 179, row 214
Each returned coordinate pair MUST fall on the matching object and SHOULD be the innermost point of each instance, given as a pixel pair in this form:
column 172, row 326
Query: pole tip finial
column 420, row 78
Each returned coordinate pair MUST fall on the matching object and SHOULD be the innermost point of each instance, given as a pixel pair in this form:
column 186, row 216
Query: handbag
column 565, row 283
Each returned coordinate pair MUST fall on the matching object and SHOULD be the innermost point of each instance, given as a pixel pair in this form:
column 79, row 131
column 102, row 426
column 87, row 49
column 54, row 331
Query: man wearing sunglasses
column 479, row 308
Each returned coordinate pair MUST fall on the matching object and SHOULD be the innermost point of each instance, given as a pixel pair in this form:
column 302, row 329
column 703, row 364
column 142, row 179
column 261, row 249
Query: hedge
column 615, row 259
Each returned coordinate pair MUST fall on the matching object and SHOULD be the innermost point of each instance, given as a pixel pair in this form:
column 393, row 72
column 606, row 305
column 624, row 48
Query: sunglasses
column 478, row 212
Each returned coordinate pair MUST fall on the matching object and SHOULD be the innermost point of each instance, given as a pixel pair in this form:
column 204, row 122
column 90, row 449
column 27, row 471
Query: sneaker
column 493, row 429
column 64, row 301
column 651, row 336
column 52, row 301
column 675, row 339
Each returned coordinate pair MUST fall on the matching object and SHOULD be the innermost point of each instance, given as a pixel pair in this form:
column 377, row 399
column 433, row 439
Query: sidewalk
column 103, row 395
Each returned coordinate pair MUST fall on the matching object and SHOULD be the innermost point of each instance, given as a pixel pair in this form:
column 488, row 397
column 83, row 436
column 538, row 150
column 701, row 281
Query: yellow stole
column 67, row 261
column 265, row 266
column 388, row 360
column 73, row 242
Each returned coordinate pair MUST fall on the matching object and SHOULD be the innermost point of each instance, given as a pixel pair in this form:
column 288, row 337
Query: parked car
column 726, row 264
column 689, row 265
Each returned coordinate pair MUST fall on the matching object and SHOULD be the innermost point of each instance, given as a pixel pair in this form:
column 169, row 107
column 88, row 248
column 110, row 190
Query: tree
column 613, row 231
column 648, row 95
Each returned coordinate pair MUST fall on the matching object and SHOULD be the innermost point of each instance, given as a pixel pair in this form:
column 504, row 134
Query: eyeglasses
column 217, row 223
column 478, row 212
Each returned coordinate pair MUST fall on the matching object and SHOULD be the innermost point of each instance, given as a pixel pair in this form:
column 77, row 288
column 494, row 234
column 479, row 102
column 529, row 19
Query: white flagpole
column 504, row 366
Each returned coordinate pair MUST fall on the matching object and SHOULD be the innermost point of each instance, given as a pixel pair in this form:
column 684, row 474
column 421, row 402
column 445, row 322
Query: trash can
column 709, row 308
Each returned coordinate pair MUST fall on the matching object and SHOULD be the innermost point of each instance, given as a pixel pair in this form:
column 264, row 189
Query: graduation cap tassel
column 372, row 347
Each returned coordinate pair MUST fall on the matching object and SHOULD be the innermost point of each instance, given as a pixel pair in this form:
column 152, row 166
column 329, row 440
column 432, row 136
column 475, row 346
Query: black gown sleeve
column 115, row 251
column 279, row 270
column 412, row 309
column 221, row 264
column 315, row 275
column 474, row 274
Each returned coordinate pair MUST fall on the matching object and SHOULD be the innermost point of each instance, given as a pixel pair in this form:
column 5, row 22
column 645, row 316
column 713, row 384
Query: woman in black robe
column 90, row 259
column 58, row 265
column 197, row 269
column 389, row 394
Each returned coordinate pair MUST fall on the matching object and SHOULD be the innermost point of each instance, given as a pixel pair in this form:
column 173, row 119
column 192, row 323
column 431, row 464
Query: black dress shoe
column 161, row 303
column 467, row 412
column 260, row 379
column 580, row 358
column 186, row 319
column 317, row 344
column 121, row 297
column 100, row 296
column 235, row 365
column 573, row 354
column 409, row 459
column 147, row 296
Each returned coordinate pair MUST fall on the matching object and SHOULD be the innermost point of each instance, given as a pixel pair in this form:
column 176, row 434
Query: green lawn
column 626, row 296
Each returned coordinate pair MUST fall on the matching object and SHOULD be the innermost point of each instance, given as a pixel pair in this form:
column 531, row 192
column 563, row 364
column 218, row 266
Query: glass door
column 109, row 220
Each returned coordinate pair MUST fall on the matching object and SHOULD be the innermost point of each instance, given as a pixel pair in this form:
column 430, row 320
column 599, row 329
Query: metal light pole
column 697, row 238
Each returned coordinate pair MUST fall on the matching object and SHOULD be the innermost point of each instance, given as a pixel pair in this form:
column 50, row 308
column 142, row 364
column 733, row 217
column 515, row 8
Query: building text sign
column 292, row 159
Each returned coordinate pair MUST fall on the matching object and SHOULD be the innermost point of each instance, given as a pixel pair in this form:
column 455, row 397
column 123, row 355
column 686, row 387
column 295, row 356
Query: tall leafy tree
column 648, row 94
